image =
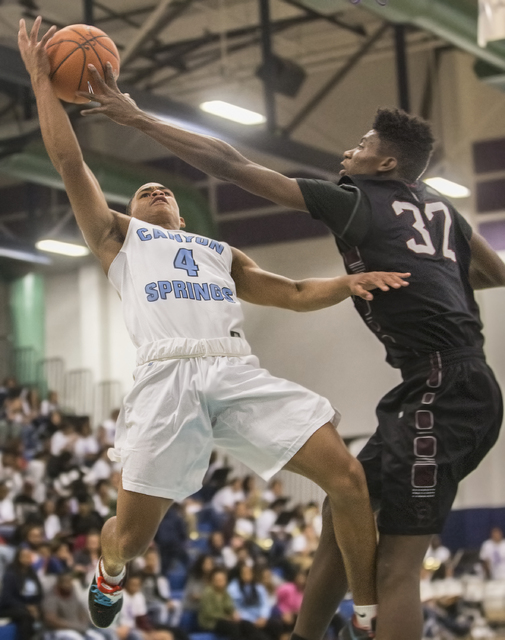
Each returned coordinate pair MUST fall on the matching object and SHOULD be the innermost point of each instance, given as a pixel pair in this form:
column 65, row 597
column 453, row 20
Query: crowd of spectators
column 231, row 560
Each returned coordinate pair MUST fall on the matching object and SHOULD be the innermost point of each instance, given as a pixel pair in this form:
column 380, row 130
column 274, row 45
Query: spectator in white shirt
column 492, row 553
column 7, row 512
column 226, row 498
column 64, row 439
column 107, row 430
column 273, row 491
column 133, row 620
column 86, row 448
column 50, row 404
column 266, row 520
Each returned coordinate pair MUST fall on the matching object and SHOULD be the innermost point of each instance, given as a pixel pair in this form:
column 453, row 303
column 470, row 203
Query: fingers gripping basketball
column 70, row 51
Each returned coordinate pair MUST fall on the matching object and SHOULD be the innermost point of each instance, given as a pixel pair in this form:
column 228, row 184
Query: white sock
column 365, row 614
column 111, row 580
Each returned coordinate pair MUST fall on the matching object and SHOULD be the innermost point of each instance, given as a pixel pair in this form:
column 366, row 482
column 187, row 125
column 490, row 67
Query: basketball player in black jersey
column 438, row 424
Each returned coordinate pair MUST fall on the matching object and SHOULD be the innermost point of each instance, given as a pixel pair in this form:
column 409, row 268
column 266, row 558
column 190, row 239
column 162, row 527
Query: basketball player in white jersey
column 196, row 383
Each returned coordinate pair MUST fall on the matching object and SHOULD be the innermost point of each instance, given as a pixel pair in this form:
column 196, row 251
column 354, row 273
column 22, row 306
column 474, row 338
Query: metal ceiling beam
column 165, row 13
column 402, row 75
column 184, row 47
column 306, row 156
column 89, row 13
column 268, row 63
column 452, row 20
column 123, row 16
column 335, row 79
column 332, row 18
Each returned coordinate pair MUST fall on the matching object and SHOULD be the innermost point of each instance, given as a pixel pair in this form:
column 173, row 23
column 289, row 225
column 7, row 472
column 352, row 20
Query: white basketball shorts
column 180, row 409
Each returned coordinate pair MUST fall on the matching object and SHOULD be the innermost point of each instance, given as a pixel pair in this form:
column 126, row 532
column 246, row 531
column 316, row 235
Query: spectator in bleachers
column 8, row 520
column 216, row 547
column 492, row 553
column 107, row 430
column 86, row 447
column 101, row 469
column 252, row 603
column 241, row 522
column 32, row 537
column 10, row 470
column 266, row 520
column 86, row 519
column 87, row 558
column 438, row 559
column 65, row 615
column 303, row 546
column 253, row 495
column 171, row 539
column 21, row 594
column 198, row 580
column 271, row 582
column 161, row 608
column 273, row 491
column 64, row 439
column 102, row 499
column 61, row 560
column 25, row 506
column 64, row 514
column 289, row 599
column 225, row 499
column 30, row 401
column 133, row 621
column 217, row 611
column 50, row 404
column 312, row 516
column 52, row 522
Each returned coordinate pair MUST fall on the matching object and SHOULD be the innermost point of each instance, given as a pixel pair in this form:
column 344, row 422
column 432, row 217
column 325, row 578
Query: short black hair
column 408, row 138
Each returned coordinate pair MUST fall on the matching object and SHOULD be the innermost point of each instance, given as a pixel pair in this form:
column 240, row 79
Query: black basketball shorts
column 434, row 429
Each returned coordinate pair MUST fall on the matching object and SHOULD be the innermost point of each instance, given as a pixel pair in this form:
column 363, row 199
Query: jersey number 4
column 184, row 260
column 430, row 209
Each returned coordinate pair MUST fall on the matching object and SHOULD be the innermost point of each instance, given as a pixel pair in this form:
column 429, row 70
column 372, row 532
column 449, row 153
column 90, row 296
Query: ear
column 183, row 223
column 387, row 165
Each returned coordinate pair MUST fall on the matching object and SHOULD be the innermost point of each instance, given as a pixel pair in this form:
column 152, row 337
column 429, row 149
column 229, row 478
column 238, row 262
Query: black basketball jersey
column 394, row 226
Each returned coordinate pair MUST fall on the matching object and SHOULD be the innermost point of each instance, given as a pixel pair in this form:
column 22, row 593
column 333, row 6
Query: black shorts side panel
column 433, row 431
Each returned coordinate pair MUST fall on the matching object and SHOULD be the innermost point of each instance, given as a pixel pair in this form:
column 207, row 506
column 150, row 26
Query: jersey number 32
column 430, row 209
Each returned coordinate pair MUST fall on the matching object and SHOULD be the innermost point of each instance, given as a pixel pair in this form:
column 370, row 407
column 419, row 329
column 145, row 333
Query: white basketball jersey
column 175, row 284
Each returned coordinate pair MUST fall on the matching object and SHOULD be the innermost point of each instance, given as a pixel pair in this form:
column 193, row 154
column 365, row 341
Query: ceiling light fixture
column 63, row 248
column 448, row 188
column 232, row 112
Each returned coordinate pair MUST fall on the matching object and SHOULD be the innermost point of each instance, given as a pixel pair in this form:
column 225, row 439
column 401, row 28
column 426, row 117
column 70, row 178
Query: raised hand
column 33, row 51
column 117, row 106
column 362, row 283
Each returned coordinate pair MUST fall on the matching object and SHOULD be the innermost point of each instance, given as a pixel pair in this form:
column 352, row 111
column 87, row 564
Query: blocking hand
column 117, row 106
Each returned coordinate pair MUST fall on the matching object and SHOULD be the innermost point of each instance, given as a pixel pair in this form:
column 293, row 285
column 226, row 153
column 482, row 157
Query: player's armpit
column 95, row 219
column 487, row 269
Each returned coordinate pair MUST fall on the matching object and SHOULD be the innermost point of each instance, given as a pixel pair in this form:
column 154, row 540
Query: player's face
column 366, row 158
column 156, row 204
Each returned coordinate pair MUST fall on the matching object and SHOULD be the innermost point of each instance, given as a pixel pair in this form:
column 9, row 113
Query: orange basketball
column 70, row 51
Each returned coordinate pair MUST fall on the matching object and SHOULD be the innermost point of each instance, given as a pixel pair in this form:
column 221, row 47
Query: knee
column 348, row 482
column 394, row 574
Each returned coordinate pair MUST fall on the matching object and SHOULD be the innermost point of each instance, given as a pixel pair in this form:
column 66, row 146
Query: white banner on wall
column 491, row 21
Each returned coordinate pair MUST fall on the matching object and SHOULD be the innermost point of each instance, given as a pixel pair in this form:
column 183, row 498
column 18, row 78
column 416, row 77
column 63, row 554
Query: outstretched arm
column 269, row 289
column 95, row 219
column 210, row 155
column 487, row 269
